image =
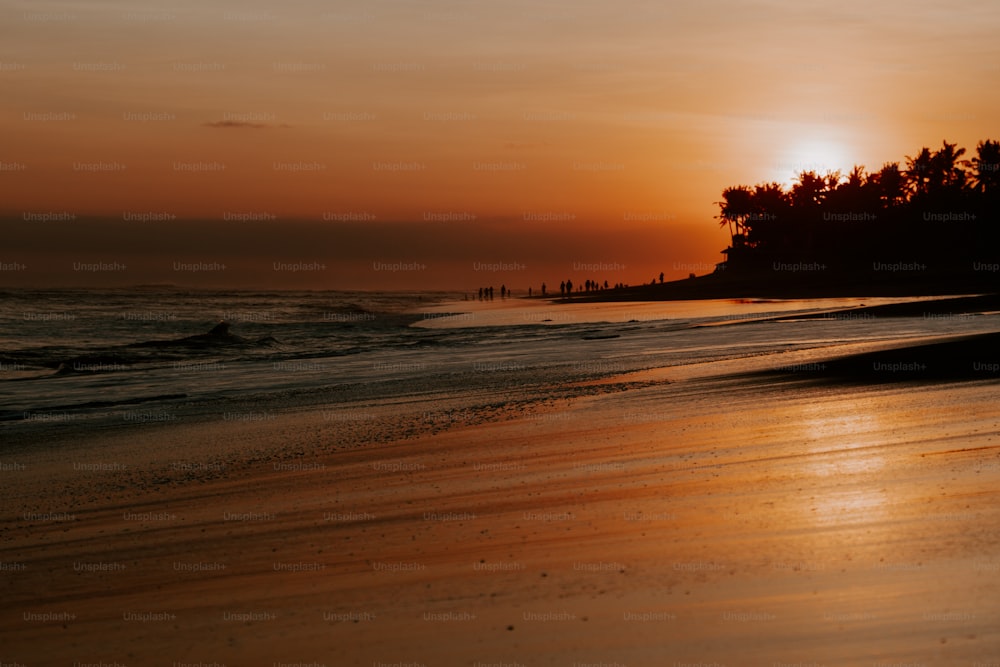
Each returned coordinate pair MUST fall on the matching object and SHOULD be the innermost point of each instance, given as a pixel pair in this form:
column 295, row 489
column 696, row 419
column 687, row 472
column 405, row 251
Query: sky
column 441, row 144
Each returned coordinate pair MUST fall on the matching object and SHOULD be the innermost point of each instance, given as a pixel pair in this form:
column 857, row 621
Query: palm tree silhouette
column 918, row 172
column 736, row 207
column 986, row 177
column 890, row 184
column 948, row 168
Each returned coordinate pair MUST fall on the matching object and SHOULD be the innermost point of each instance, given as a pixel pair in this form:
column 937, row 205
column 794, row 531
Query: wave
column 219, row 335
column 116, row 358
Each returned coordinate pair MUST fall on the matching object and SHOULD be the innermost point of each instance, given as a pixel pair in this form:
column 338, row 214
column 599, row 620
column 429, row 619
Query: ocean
column 120, row 356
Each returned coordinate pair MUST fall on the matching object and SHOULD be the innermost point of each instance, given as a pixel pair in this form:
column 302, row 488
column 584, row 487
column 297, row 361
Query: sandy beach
column 662, row 516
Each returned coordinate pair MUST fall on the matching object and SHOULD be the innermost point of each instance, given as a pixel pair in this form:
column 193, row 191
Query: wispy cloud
column 238, row 124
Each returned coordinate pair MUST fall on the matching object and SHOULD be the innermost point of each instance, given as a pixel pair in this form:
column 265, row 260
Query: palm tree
column 847, row 195
column 890, row 183
column 833, row 180
column 918, row 172
column 938, row 172
column 735, row 208
column 808, row 190
column 857, row 178
column 948, row 168
column 769, row 205
column 986, row 178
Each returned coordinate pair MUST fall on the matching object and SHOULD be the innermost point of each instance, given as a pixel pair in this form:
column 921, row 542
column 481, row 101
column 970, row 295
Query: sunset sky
column 437, row 138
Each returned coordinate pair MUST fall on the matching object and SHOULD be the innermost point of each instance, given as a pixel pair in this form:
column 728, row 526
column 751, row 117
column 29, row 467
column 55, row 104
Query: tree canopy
column 939, row 211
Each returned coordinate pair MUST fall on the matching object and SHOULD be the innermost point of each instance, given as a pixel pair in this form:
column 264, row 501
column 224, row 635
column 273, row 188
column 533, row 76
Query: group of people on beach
column 565, row 289
column 486, row 293
column 566, row 286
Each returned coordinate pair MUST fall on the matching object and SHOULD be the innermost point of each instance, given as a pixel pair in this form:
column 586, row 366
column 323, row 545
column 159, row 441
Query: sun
column 820, row 154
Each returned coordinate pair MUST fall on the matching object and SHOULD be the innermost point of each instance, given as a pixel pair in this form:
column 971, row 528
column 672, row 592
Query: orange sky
column 548, row 135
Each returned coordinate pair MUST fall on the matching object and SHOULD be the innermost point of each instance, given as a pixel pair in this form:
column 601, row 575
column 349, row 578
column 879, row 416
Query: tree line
column 940, row 211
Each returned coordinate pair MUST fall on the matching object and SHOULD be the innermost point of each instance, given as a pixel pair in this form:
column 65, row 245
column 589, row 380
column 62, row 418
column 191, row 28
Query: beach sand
column 757, row 519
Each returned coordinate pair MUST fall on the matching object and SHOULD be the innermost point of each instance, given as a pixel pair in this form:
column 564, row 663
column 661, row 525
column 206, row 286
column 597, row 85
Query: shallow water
column 132, row 354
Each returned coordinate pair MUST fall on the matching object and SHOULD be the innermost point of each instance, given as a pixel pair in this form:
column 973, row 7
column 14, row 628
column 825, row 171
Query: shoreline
column 941, row 307
column 803, row 286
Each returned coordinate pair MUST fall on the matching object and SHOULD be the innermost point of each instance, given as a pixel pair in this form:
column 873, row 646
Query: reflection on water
column 512, row 312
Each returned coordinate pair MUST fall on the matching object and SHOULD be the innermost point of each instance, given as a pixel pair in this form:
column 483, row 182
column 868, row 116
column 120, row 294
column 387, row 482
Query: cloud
column 237, row 124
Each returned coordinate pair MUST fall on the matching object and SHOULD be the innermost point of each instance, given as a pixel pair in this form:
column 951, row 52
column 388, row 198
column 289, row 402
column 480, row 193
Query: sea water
column 108, row 353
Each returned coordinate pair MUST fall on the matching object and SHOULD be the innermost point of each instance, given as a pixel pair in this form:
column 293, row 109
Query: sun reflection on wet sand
column 847, row 459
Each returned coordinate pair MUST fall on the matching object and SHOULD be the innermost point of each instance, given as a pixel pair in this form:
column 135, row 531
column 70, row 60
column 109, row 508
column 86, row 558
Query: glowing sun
column 817, row 154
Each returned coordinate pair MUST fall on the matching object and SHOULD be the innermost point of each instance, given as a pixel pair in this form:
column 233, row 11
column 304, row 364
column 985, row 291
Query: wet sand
column 746, row 520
